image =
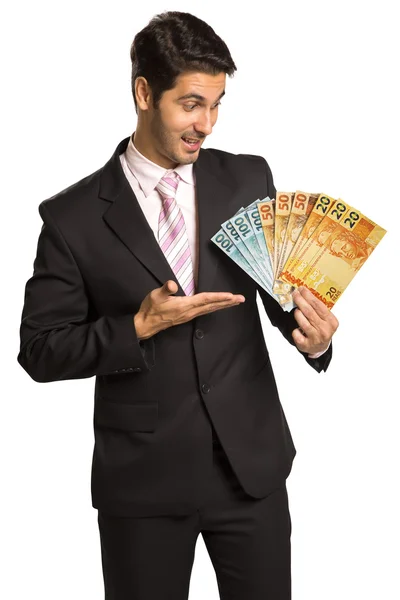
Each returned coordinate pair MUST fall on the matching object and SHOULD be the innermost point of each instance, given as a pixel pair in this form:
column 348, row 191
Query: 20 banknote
column 300, row 239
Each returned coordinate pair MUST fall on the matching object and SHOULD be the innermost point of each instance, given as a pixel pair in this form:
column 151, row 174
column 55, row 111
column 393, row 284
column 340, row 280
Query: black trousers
column 248, row 541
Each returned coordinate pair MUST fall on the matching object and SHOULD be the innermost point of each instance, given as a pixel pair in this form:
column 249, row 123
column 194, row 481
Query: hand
column 159, row 310
column 317, row 323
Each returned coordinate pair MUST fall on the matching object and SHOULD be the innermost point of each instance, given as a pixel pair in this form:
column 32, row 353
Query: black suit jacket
column 157, row 401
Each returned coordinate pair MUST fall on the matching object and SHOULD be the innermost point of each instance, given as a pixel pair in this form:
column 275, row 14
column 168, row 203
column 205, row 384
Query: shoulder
column 213, row 157
column 82, row 197
column 72, row 196
column 237, row 167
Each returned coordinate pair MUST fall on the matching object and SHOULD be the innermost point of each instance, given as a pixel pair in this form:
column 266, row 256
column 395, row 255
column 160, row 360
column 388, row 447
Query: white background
column 316, row 93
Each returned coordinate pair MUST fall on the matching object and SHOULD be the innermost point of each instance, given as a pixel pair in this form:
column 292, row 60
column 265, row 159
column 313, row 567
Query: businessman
column 190, row 434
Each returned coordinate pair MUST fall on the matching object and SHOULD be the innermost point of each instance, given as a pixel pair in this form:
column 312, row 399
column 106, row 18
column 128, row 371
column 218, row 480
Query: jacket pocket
column 128, row 417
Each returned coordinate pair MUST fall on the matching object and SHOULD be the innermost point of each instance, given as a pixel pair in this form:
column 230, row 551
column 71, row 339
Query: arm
column 58, row 341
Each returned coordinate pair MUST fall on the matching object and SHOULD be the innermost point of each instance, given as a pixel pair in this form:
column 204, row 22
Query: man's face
column 184, row 118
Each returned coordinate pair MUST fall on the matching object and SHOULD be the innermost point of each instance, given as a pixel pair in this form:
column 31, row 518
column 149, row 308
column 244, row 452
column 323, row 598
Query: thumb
column 169, row 287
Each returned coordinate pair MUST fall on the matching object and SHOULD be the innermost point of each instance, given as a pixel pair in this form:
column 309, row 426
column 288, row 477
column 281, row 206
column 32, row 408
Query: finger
column 213, row 306
column 307, row 309
column 211, row 297
column 327, row 319
column 205, row 309
column 169, row 287
column 308, row 329
column 322, row 311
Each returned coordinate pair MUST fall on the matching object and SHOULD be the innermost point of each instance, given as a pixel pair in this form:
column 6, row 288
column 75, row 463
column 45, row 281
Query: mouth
column 191, row 144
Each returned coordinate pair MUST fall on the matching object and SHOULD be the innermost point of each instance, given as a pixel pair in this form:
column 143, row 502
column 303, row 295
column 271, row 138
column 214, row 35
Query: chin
column 188, row 160
column 189, row 157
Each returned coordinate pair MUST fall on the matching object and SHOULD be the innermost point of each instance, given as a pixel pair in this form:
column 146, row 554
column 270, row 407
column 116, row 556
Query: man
column 190, row 435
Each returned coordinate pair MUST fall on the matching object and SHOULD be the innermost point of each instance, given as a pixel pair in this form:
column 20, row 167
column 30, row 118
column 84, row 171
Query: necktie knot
column 168, row 185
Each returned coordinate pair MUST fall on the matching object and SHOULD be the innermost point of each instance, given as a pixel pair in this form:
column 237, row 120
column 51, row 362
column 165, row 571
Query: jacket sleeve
column 284, row 320
column 286, row 323
column 57, row 339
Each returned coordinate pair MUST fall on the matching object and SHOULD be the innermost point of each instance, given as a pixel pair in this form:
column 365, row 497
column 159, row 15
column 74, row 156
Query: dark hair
column 173, row 43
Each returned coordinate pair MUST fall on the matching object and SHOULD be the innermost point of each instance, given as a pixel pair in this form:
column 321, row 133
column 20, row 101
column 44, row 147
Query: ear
column 143, row 93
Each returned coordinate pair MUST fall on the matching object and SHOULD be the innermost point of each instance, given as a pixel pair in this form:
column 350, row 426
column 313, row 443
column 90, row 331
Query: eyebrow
column 198, row 97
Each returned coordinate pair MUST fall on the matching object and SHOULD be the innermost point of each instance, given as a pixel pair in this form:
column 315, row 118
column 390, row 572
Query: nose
column 204, row 123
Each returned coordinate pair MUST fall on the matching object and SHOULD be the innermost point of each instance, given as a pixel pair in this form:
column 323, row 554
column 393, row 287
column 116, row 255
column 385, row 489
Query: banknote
column 342, row 255
column 297, row 221
column 242, row 225
column 321, row 208
column 255, row 221
column 266, row 210
column 321, row 235
column 253, row 216
column 295, row 224
column 266, row 274
column 234, row 236
column 283, row 206
column 224, row 242
column 267, row 217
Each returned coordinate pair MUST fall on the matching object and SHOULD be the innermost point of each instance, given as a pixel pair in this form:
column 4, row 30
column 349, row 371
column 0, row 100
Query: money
column 283, row 208
column 226, row 244
column 319, row 211
column 321, row 235
column 242, row 225
column 253, row 216
column 304, row 239
column 266, row 210
column 294, row 227
column 237, row 239
column 297, row 220
column 342, row 255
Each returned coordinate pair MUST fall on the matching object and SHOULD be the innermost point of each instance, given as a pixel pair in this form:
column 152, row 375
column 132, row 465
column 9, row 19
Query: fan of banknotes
column 300, row 239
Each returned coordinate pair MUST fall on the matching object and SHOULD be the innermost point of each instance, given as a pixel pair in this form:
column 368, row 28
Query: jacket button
column 136, row 370
column 130, row 369
column 199, row 333
column 205, row 388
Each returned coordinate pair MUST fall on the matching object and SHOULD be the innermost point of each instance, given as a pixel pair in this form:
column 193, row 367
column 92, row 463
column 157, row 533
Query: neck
column 142, row 142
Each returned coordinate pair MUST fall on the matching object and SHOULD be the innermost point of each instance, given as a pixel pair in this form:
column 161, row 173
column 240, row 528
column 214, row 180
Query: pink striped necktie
column 172, row 235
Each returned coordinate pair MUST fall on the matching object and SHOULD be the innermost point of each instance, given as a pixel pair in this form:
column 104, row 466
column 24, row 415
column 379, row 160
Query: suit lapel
column 125, row 217
column 213, row 208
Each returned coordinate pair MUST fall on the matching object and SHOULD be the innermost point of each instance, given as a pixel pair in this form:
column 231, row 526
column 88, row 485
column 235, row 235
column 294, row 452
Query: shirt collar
column 149, row 173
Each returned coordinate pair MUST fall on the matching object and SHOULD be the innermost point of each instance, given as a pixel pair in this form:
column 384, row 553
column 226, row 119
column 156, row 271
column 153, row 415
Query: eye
column 216, row 105
column 189, row 107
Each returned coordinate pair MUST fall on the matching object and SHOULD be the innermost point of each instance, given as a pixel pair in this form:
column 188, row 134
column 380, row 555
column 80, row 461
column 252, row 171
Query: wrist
column 143, row 332
column 320, row 353
column 139, row 326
